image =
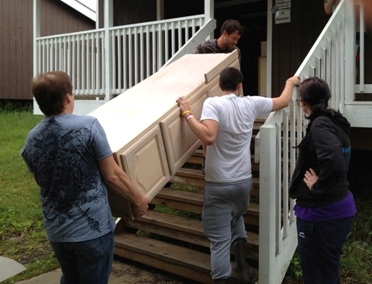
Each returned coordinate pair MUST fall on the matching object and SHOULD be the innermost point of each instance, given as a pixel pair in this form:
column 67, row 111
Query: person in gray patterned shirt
column 72, row 163
column 231, row 32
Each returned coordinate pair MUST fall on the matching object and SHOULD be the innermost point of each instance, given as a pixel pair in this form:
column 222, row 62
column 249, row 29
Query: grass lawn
column 23, row 237
column 21, row 230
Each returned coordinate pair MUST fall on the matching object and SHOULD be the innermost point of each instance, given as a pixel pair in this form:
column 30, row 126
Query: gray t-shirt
column 211, row 46
column 62, row 152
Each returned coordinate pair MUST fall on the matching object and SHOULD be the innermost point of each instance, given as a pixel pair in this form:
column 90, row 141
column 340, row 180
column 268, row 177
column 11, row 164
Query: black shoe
column 243, row 270
column 220, row 281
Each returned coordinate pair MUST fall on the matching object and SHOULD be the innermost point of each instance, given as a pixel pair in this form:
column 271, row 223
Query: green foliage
column 356, row 261
column 7, row 106
column 294, row 271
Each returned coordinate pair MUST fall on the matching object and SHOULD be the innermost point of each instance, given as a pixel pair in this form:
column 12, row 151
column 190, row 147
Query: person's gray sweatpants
column 223, row 223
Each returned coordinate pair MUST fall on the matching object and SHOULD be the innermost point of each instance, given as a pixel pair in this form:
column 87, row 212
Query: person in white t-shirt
column 225, row 127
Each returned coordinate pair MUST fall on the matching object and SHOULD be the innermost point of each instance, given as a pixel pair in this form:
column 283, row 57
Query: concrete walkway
column 9, row 267
column 122, row 272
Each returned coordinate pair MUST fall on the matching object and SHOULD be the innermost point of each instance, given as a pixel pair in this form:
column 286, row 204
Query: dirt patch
column 132, row 272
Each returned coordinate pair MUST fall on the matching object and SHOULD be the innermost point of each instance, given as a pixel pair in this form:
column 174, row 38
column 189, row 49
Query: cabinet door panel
column 179, row 140
column 146, row 164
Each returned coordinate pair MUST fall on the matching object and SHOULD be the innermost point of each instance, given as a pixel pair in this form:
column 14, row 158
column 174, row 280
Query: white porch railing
column 133, row 51
column 331, row 58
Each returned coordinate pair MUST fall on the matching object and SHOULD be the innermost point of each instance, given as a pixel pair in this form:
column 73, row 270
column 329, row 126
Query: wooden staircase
column 170, row 235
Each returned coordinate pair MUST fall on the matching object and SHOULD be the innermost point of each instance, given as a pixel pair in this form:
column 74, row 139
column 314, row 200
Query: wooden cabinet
column 149, row 138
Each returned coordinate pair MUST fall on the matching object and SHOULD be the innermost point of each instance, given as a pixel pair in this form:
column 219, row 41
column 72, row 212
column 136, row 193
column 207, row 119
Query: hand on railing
column 295, row 80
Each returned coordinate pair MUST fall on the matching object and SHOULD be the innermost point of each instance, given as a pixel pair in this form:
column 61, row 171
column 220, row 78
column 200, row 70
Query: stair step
column 193, row 202
column 181, row 200
column 183, row 261
column 177, row 227
column 188, row 263
column 193, row 173
column 197, row 159
column 195, row 178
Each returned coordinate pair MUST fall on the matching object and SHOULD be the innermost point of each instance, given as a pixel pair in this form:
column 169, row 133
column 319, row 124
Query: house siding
column 292, row 41
column 16, row 48
column 16, row 45
column 58, row 18
column 130, row 12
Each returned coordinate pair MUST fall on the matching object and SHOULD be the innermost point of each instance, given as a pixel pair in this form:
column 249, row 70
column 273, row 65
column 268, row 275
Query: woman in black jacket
column 324, row 205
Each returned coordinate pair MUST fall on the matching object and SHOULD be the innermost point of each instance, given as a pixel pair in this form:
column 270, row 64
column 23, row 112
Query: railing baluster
column 174, row 39
column 136, row 57
column 166, row 43
column 154, row 47
column 141, row 52
column 78, row 71
column 148, row 44
column 179, row 34
column 159, row 47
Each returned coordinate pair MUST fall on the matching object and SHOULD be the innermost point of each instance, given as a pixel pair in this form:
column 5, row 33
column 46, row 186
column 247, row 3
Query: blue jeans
column 87, row 262
column 223, row 223
column 319, row 245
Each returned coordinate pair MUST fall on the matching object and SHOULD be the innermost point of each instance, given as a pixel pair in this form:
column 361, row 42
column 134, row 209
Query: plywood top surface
column 129, row 114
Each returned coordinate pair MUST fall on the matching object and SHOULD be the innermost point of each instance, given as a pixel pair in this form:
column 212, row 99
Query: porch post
column 98, row 13
column 269, row 48
column 268, row 200
column 350, row 68
column 36, row 34
column 108, row 22
column 208, row 12
column 159, row 10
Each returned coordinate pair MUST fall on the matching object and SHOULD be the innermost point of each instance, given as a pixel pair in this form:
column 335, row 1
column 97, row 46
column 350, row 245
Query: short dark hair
column 230, row 77
column 231, row 26
column 49, row 89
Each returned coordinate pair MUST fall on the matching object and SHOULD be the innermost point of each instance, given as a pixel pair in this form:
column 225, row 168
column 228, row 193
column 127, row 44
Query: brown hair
column 231, row 26
column 49, row 89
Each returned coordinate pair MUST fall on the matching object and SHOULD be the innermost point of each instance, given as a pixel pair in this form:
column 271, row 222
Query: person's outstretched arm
column 285, row 98
column 328, row 6
column 206, row 130
column 118, row 181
